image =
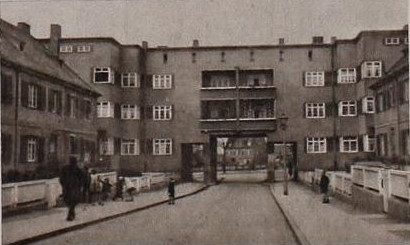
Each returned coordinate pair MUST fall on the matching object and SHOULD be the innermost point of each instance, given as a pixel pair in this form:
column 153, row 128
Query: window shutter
column 117, row 110
column 148, row 112
column 6, row 143
column 305, row 145
column 148, row 81
column 172, row 111
column 360, row 143
column 6, row 89
column 42, row 98
column 303, row 78
column 117, row 145
column 59, row 103
column 50, row 99
column 40, row 150
column 304, row 110
column 336, row 144
column 67, row 105
column 400, row 93
column 24, row 94
column 359, row 104
column 328, row 78
column 23, row 148
column 149, row 147
column 358, row 73
column 330, row 144
column 386, row 150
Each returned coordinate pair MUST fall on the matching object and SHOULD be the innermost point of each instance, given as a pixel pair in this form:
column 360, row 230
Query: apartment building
column 47, row 110
column 159, row 102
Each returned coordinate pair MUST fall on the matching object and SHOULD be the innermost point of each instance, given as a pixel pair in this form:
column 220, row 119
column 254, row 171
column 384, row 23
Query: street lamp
column 224, row 146
column 283, row 120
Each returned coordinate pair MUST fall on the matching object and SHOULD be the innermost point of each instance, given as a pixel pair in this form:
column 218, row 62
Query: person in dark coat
column 119, row 189
column 106, row 189
column 324, row 187
column 86, row 185
column 171, row 191
column 71, row 180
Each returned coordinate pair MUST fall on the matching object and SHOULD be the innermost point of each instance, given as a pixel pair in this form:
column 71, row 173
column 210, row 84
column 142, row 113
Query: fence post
column 408, row 185
column 364, row 177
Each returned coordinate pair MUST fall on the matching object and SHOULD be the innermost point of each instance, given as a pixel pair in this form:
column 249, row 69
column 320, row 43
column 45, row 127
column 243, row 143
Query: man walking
column 71, row 180
column 324, row 187
column 86, row 185
column 171, row 191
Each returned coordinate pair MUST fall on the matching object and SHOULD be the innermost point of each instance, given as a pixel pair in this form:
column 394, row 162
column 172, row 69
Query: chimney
column 281, row 41
column 24, row 27
column 144, row 44
column 195, row 43
column 333, row 40
column 55, row 35
column 317, row 40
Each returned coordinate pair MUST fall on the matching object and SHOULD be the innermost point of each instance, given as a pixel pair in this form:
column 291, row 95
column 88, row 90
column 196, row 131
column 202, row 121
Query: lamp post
column 283, row 120
column 224, row 146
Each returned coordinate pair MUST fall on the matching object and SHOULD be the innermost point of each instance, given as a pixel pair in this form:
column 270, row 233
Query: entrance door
column 186, row 157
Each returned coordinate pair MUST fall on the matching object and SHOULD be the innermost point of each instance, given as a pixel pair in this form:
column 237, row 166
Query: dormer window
column 66, row 49
column 392, row 41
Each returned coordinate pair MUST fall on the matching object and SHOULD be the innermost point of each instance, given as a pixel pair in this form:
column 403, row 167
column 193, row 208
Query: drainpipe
column 237, row 97
column 333, row 63
column 16, row 114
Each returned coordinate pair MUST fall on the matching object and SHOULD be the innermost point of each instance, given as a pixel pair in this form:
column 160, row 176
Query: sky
column 212, row 22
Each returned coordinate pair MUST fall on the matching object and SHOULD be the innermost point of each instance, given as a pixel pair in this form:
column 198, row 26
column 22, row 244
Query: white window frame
column 32, row 153
column 220, row 82
column 348, row 105
column 127, row 79
column 389, row 41
column 33, row 93
column 54, row 109
column 369, row 143
column 104, row 70
column 66, row 48
column 371, row 69
column 315, row 110
column 316, row 145
column 346, row 75
column 105, row 109
column 107, row 145
column 406, row 41
column 130, row 147
column 84, row 48
column 369, row 105
column 73, row 108
column 162, row 81
column 162, row 147
column 352, row 144
column 314, row 78
column 162, row 112
column 130, row 112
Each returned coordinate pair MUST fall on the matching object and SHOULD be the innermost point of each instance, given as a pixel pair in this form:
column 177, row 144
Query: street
column 240, row 213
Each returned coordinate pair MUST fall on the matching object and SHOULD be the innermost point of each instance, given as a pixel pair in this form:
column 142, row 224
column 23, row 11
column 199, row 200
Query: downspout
column 334, row 138
column 16, row 116
column 237, row 97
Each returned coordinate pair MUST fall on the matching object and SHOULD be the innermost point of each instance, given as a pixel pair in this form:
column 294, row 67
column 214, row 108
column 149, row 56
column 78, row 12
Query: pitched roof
column 22, row 49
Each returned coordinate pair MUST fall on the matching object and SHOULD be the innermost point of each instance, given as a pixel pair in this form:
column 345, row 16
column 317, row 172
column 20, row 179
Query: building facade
column 156, row 101
column 47, row 110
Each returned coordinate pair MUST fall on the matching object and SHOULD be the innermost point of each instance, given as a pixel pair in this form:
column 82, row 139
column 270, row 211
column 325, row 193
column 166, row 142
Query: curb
column 300, row 236
column 92, row 222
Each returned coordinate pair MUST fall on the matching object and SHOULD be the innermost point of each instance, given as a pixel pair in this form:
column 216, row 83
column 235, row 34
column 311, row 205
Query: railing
column 342, row 183
column 368, row 177
column 400, row 184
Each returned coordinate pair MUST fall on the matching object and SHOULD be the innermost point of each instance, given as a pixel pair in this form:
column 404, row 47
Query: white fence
column 48, row 191
column 399, row 184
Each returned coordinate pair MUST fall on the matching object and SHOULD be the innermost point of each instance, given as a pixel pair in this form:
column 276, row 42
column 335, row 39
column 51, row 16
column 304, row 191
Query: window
column 162, row 146
column 162, row 112
column 105, row 109
column 130, row 147
column 103, row 75
column 346, row 75
column 281, row 55
column 193, row 57
column 406, row 40
column 347, row 108
column 220, row 81
column 130, row 80
column 371, row 69
column 73, row 106
column 32, row 96
column 392, row 41
column 83, row 48
column 66, row 49
column 107, row 146
column 130, row 112
column 316, row 145
column 162, row 81
column 54, row 101
column 382, row 144
column 380, row 101
column 74, row 144
column 32, row 150
column 405, row 142
column 87, row 109
column 314, row 79
column 315, row 110
column 349, row 144
column 368, row 105
column 369, row 143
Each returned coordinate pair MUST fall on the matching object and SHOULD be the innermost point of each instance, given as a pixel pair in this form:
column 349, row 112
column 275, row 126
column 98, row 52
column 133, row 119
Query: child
column 106, row 189
column 119, row 188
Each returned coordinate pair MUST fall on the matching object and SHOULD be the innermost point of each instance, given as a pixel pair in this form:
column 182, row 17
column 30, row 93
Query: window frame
column 127, row 145
column 127, row 110
column 369, row 143
column 349, row 104
column 105, row 112
column 160, row 147
column 32, row 150
column 84, row 48
column 127, row 77
column 162, row 81
column 103, row 70
column 33, row 96
column 351, row 141
column 316, row 145
column 372, row 67
column 315, row 107
column 314, row 78
column 66, row 48
column 346, row 75
column 157, row 110
column 365, row 104
column 108, row 145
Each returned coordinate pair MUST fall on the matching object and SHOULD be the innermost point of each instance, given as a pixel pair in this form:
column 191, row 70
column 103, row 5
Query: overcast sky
column 213, row 22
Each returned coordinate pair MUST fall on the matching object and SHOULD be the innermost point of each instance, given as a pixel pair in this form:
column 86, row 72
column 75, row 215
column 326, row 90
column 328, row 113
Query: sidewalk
column 21, row 229
column 336, row 223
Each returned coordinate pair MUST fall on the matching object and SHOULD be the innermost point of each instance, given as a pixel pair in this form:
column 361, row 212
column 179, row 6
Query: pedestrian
column 71, row 180
column 324, row 187
column 106, row 189
column 86, row 185
column 96, row 188
column 119, row 189
column 171, row 191
column 130, row 188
